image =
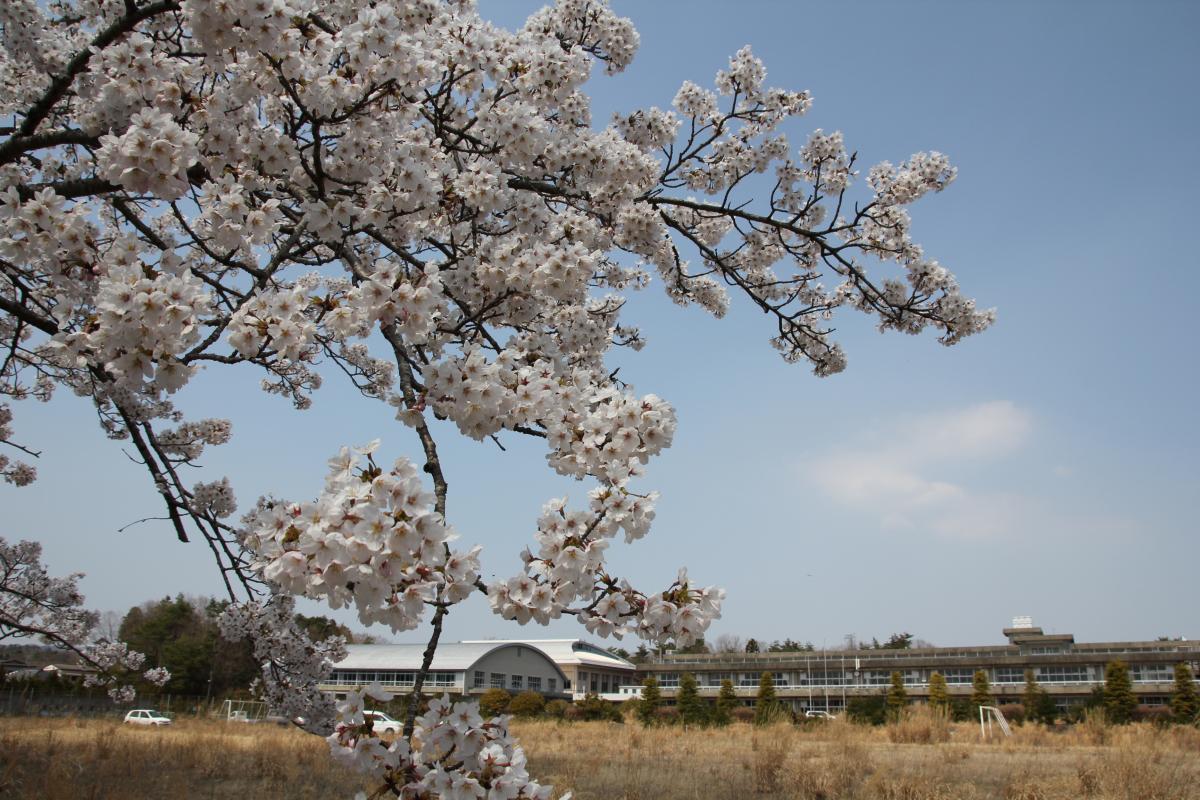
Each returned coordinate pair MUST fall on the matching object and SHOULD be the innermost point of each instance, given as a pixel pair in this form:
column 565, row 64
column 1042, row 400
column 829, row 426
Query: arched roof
column 571, row 651
column 449, row 657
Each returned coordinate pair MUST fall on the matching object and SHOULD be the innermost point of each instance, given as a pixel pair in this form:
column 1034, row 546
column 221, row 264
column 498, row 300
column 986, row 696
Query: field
column 917, row 760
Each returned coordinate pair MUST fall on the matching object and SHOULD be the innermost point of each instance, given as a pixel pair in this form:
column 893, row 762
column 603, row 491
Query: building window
column 552, row 684
column 668, row 679
column 497, row 680
column 1010, row 675
column 1152, row 673
column 958, row 677
column 516, row 682
column 1063, row 675
column 479, row 679
column 535, row 683
column 604, row 684
column 442, row 679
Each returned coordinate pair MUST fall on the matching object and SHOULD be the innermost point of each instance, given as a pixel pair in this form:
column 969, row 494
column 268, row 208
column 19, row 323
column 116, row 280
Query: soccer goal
column 243, row 710
column 986, row 715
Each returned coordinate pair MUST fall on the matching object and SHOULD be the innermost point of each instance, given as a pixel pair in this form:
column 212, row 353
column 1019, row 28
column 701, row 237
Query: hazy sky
column 1047, row 467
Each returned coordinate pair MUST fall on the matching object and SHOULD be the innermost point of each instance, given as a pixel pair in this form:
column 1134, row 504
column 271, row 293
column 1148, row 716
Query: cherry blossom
column 409, row 198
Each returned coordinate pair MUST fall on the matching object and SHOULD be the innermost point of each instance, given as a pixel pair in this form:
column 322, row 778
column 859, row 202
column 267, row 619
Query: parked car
column 819, row 715
column 382, row 723
column 146, row 716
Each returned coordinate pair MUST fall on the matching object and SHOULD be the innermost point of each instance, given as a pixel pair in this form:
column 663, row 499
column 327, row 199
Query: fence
column 54, row 702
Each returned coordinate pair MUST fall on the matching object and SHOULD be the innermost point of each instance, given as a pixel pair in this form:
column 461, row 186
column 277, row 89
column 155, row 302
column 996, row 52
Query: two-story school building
column 826, row 679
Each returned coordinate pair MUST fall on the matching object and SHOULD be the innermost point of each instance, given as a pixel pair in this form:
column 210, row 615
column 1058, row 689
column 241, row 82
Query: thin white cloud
column 905, row 474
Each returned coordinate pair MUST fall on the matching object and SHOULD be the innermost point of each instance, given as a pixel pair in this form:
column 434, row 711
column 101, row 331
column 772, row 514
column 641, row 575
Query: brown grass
column 917, row 759
column 920, row 758
column 192, row 759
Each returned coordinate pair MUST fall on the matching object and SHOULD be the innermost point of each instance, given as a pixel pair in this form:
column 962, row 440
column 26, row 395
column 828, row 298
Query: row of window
column 601, row 682
column 518, row 683
column 1143, row 673
column 392, row 678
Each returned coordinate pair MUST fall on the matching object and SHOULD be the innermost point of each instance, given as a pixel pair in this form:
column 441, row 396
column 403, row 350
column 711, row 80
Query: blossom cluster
column 114, row 657
column 371, row 540
column 151, row 157
column 145, row 318
column 17, row 473
column 454, row 755
column 293, row 665
column 568, row 567
column 590, row 430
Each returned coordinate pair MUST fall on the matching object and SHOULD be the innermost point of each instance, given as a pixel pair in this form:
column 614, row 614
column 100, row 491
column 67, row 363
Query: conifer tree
column 726, row 702
column 647, row 707
column 1185, row 702
column 897, row 697
column 752, row 646
column 1039, row 706
column 981, row 691
column 939, row 694
column 765, row 703
column 1119, row 700
column 692, row 710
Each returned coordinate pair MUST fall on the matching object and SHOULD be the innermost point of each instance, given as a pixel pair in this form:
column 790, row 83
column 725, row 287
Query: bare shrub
column 912, row 787
column 1094, row 729
column 921, row 725
column 1142, row 773
column 770, row 754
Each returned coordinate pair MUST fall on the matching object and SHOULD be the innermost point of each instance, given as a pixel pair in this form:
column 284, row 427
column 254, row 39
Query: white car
column 146, row 716
column 819, row 715
column 382, row 723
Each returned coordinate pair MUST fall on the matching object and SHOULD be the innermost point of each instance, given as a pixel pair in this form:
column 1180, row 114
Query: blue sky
column 1047, row 467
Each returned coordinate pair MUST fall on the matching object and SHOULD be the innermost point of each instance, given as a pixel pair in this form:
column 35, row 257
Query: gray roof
column 461, row 656
column 569, row 651
column 450, row 656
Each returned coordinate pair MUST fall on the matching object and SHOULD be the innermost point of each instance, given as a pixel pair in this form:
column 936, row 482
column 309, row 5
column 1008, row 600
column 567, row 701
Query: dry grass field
column 917, row 760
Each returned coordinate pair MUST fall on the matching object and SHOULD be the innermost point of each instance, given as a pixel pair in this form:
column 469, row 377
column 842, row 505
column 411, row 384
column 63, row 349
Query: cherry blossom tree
column 35, row 604
column 406, row 197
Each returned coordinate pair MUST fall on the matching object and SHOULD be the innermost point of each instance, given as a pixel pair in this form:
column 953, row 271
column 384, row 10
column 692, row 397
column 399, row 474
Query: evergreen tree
column 765, row 704
column 726, row 702
column 647, row 707
column 939, row 694
column 981, row 691
column 692, row 710
column 1029, row 699
column 752, row 646
column 897, row 641
column 1039, row 706
column 897, row 697
column 1119, row 700
column 1185, row 702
